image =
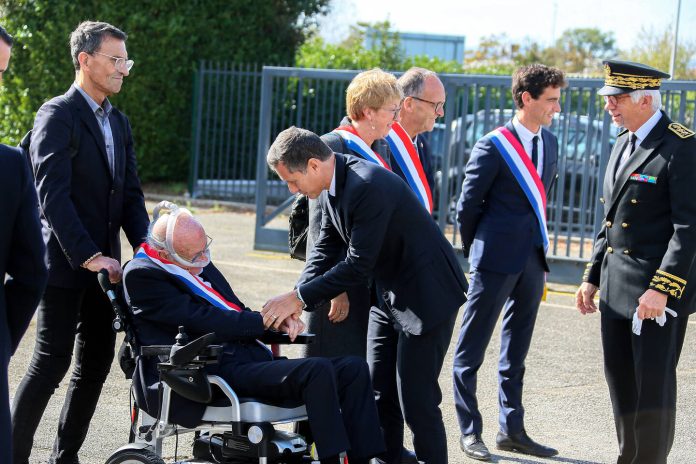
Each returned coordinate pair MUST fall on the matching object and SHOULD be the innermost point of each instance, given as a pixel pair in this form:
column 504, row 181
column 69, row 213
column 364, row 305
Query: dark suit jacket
column 649, row 234
column 82, row 207
column 497, row 224
column 390, row 238
column 426, row 159
column 161, row 303
column 22, row 262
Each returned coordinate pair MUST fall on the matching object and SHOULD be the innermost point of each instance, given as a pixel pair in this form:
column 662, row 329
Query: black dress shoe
column 521, row 443
column 474, row 447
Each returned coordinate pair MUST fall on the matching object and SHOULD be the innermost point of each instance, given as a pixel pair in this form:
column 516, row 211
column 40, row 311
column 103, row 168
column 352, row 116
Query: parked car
column 570, row 203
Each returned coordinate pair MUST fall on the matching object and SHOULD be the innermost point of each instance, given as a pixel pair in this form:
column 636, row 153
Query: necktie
column 632, row 144
column 535, row 150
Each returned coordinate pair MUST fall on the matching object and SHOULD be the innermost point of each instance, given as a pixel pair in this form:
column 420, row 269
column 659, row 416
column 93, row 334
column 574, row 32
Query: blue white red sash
column 355, row 143
column 194, row 283
column 406, row 156
column 526, row 174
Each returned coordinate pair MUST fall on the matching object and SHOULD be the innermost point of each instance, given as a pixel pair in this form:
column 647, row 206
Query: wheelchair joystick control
column 181, row 338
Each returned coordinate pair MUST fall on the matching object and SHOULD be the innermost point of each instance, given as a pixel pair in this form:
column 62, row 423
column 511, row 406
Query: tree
column 655, row 49
column 167, row 39
column 581, row 51
column 498, row 54
column 351, row 53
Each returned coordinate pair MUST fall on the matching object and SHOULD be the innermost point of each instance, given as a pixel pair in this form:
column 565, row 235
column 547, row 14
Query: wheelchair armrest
column 206, row 355
column 151, row 351
column 270, row 337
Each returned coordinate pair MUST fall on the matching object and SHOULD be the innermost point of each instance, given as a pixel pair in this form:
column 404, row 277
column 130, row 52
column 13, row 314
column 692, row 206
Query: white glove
column 638, row 324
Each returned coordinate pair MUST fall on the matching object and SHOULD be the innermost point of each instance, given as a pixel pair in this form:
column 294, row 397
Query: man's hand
column 112, row 266
column 279, row 308
column 292, row 327
column 584, row 298
column 339, row 308
column 651, row 304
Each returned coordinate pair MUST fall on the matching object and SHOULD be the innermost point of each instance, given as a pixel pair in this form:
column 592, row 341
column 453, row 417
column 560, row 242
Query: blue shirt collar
column 106, row 107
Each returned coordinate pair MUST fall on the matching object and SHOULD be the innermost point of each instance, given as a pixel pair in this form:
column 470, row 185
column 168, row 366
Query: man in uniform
column 643, row 261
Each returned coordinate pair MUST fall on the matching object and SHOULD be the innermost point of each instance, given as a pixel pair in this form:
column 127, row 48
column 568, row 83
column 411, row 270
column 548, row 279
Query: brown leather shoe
column 474, row 447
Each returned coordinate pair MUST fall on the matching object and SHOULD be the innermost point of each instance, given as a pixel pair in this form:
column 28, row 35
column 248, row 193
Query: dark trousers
column 642, row 378
column 67, row 319
column 5, row 431
column 405, row 370
column 336, row 391
column 518, row 296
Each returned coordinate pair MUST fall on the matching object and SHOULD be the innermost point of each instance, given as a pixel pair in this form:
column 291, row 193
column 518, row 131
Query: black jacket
column 82, row 207
column 390, row 238
column 648, row 239
column 22, row 263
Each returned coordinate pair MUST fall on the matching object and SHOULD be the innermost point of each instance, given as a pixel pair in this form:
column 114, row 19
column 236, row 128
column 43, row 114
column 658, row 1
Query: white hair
column 656, row 99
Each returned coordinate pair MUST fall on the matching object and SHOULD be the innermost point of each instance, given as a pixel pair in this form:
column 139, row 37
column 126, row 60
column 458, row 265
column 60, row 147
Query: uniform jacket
column 390, row 238
column 498, row 226
column 82, row 207
column 648, row 239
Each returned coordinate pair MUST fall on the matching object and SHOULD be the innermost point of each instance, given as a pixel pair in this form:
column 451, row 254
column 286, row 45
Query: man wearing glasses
column 83, row 159
column 643, row 260
column 424, row 102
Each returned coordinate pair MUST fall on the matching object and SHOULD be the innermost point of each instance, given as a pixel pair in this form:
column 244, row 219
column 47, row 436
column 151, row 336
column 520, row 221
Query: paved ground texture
column 566, row 398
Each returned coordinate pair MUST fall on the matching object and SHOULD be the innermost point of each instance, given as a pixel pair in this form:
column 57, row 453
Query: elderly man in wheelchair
column 171, row 284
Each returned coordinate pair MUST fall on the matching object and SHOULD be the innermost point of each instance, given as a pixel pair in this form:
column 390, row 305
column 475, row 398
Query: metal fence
column 235, row 104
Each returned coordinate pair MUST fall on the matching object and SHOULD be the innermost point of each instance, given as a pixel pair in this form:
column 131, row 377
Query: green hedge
column 166, row 38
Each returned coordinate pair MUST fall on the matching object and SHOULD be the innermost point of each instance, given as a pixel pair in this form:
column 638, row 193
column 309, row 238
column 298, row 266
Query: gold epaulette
column 681, row 131
column 586, row 274
column 667, row 283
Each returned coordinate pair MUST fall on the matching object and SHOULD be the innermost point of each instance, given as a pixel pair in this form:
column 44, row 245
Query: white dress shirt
column 526, row 137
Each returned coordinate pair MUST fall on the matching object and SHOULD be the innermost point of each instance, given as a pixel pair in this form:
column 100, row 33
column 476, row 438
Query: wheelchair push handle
column 109, row 289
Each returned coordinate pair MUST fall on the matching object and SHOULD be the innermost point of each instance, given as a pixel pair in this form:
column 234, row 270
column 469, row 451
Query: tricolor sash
column 355, row 143
column 526, row 174
column 406, row 156
column 194, row 283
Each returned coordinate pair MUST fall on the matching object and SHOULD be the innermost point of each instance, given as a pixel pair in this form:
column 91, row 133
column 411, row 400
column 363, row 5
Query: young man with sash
column 502, row 220
column 171, row 282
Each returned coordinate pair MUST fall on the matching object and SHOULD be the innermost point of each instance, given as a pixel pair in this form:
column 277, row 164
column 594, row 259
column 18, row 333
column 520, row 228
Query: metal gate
column 315, row 99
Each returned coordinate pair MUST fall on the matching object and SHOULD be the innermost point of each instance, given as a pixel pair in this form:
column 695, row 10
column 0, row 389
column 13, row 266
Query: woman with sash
column 373, row 102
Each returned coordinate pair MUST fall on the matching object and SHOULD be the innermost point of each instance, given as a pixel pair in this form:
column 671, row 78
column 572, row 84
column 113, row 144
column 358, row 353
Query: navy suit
column 502, row 237
column 22, row 261
column 82, row 208
column 340, row 405
column 392, row 239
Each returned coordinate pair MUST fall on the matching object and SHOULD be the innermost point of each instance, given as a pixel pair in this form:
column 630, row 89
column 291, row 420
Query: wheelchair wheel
column 134, row 456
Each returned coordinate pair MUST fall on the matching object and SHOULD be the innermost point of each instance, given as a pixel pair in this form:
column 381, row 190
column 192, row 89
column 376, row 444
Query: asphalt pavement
column 565, row 396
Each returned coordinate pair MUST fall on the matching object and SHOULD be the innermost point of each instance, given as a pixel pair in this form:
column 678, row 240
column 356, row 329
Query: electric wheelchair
column 232, row 429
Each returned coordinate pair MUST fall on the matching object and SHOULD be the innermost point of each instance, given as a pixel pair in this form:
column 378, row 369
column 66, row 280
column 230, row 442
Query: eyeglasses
column 205, row 252
column 614, row 100
column 119, row 62
column 394, row 111
column 437, row 106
